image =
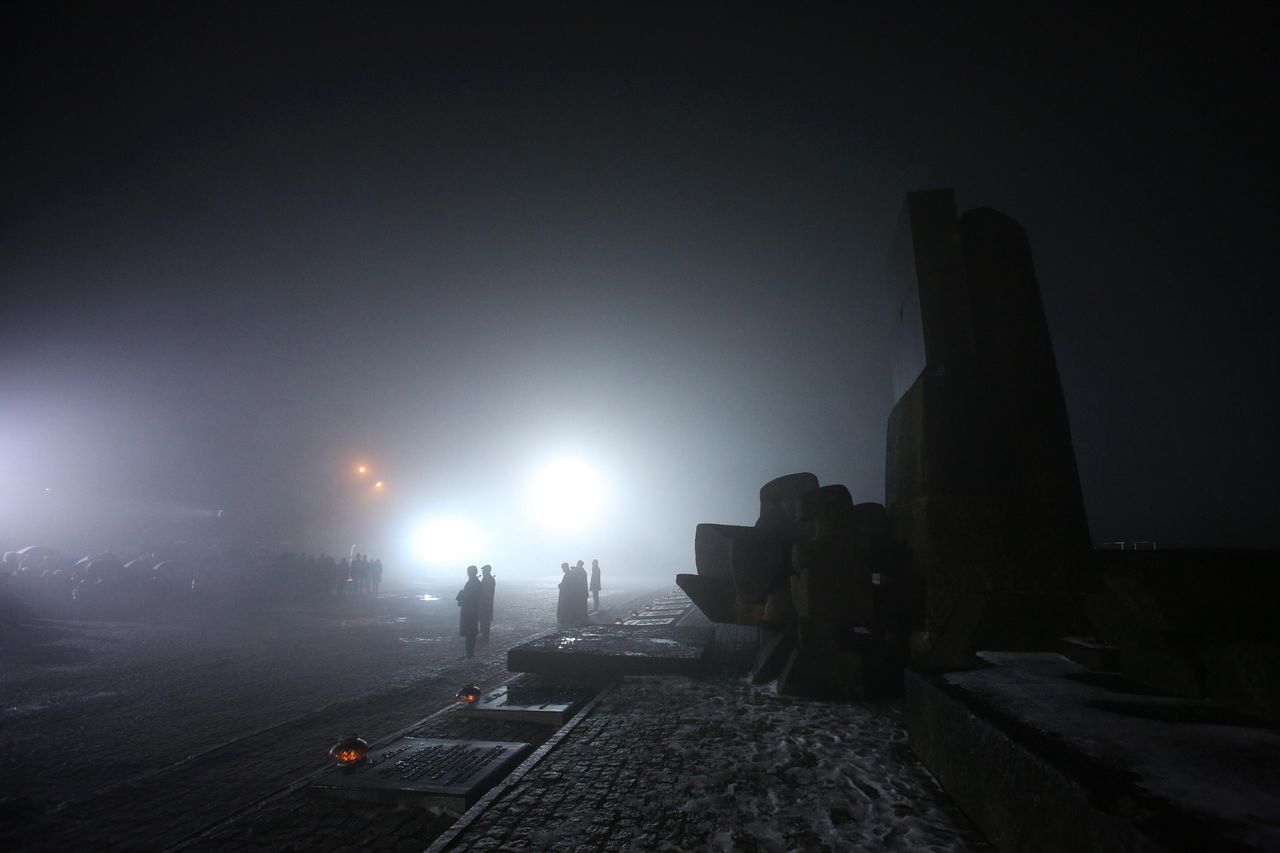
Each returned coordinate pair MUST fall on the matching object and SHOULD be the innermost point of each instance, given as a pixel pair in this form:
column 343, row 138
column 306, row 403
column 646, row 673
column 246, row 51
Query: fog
column 249, row 250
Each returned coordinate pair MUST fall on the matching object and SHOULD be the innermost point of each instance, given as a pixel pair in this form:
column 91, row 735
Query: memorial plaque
column 615, row 650
column 664, row 610
column 530, row 699
column 645, row 620
column 425, row 772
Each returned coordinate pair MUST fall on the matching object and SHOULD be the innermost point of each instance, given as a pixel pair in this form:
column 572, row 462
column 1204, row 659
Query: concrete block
column 756, row 559
column 780, row 499
column 607, row 651
column 1045, row 755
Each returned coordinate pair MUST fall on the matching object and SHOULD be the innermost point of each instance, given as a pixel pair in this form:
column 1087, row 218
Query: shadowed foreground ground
column 156, row 736
column 144, row 733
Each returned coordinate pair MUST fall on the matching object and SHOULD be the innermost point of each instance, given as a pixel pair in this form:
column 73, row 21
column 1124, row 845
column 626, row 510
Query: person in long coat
column 564, row 605
column 580, row 594
column 595, row 583
column 487, row 588
column 469, row 615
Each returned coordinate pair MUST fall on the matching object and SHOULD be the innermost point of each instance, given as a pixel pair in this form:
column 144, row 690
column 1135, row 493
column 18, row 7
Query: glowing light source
column 446, row 541
column 566, row 494
column 349, row 751
column 362, row 469
column 378, row 485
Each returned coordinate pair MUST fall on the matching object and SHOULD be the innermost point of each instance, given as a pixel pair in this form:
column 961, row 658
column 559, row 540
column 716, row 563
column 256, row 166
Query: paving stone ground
column 659, row 763
column 673, row 764
column 141, row 736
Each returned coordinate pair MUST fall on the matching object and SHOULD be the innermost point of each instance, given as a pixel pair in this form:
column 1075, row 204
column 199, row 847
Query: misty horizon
column 246, row 251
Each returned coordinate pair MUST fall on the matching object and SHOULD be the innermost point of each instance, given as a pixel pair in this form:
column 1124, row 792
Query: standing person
column 469, row 601
column 359, row 574
column 564, row 606
column 342, row 577
column 581, row 594
column 487, row 587
column 595, row 583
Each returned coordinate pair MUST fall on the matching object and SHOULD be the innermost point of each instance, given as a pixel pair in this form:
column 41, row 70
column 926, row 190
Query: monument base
column 612, row 651
column 531, row 699
column 1046, row 755
column 451, row 774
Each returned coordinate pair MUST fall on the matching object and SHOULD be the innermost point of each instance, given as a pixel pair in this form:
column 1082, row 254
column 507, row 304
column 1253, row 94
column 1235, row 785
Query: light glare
column 565, row 495
column 448, row 541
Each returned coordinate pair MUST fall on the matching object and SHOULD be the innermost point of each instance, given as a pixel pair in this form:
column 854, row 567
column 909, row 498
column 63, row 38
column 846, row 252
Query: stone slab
column 610, row 651
column 530, row 698
column 452, row 774
column 1092, row 654
column 654, row 620
column 714, row 596
column 1046, row 755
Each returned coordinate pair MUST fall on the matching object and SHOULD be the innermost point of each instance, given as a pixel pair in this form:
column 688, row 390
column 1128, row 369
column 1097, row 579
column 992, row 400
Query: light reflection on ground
column 363, row 621
column 407, row 596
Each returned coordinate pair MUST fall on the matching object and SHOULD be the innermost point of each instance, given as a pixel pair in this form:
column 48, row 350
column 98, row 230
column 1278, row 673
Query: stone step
column 610, row 651
column 1046, row 755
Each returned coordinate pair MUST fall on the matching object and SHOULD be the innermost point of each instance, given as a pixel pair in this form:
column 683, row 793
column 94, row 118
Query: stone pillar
column 981, row 483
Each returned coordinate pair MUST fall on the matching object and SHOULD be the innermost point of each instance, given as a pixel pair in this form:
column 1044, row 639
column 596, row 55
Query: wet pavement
column 139, row 735
column 155, row 737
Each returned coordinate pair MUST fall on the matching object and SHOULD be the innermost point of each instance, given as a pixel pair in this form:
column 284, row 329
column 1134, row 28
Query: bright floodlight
column 448, row 541
column 361, row 469
column 565, row 495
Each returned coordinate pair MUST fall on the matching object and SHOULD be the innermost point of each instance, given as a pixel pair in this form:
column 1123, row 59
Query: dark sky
column 245, row 246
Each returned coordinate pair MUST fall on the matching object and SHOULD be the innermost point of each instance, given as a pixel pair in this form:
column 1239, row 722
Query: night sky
column 247, row 247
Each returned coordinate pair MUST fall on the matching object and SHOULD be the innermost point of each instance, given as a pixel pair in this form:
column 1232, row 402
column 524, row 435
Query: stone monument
column 982, row 542
column 981, row 485
column 804, row 574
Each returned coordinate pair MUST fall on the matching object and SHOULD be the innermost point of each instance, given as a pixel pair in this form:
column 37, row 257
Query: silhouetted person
column 595, row 583
column 487, row 587
column 377, row 576
column 359, row 574
column 342, row 577
column 564, row 607
column 468, row 616
column 580, row 594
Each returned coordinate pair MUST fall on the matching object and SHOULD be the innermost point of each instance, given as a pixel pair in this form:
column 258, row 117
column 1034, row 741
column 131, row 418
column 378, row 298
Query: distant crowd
column 48, row 581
